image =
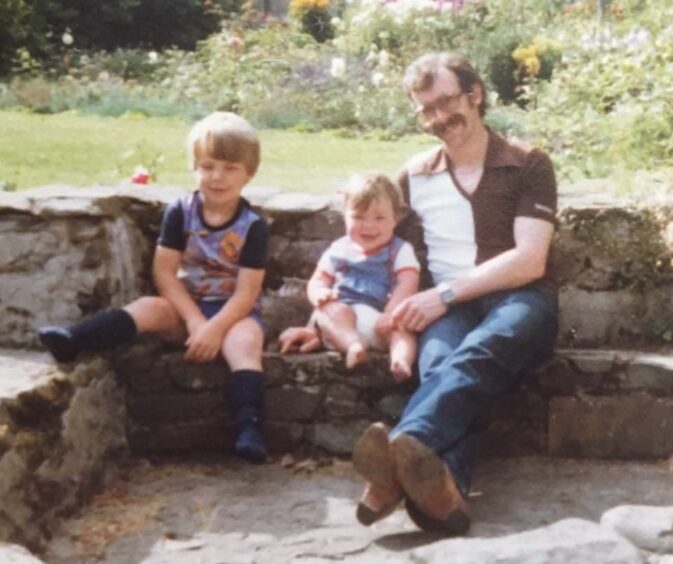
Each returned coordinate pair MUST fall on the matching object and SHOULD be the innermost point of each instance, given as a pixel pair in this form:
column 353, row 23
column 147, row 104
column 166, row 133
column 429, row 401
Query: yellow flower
column 298, row 8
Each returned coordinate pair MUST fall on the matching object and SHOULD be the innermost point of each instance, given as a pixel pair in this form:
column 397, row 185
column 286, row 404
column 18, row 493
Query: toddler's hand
column 324, row 295
column 204, row 343
column 303, row 338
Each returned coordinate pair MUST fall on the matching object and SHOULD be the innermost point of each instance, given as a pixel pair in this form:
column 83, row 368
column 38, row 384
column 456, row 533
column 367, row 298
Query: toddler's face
column 220, row 181
column 372, row 228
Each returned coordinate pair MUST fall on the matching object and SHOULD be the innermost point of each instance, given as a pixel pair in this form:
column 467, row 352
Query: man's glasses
column 444, row 104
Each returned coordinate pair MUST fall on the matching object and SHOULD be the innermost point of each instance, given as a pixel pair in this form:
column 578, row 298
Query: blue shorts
column 210, row 308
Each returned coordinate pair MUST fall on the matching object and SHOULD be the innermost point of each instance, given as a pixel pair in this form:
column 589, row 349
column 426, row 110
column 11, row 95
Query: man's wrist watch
column 446, row 294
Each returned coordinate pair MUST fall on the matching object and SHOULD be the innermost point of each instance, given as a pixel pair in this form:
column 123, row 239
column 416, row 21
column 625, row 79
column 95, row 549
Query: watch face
column 447, row 296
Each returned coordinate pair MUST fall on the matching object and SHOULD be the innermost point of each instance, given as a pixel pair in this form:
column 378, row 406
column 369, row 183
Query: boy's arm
column 248, row 288
column 205, row 343
column 165, row 271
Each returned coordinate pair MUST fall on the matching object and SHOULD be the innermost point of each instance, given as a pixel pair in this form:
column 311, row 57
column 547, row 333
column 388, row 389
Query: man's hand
column 305, row 339
column 416, row 312
column 204, row 342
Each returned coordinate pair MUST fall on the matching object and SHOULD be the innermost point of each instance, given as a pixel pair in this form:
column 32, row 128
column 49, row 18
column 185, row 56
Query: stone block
column 175, row 407
column 648, row 528
column 516, row 426
column 337, row 438
column 631, row 426
column 291, row 403
column 208, row 434
column 566, row 541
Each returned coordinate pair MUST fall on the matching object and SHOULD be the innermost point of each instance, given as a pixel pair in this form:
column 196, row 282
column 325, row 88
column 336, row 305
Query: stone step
column 583, row 403
column 59, row 428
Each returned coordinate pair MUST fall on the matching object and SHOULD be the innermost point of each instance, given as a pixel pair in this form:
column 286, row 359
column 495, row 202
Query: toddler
column 360, row 279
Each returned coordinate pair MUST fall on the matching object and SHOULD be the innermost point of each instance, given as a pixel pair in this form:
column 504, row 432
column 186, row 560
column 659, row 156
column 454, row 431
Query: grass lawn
column 81, row 151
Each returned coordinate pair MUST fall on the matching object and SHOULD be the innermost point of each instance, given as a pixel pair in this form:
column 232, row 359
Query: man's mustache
column 438, row 128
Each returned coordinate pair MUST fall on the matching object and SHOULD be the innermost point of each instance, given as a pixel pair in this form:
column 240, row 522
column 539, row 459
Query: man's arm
column 517, row 267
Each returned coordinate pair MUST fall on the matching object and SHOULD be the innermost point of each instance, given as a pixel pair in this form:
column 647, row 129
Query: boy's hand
column 322, row 296
column 384, row 326
column 204, row 343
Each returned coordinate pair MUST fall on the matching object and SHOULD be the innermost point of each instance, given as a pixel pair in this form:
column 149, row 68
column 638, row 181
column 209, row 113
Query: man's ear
column 477, row 95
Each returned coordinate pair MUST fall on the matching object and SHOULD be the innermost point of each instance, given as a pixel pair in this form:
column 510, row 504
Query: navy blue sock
column 99, row 332
column 246, row 397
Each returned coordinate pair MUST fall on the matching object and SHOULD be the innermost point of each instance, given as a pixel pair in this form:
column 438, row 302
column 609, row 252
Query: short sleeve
column 406, row 259
column 172, row 233
column 325, row 263
column 255, row 251
column 538, row 197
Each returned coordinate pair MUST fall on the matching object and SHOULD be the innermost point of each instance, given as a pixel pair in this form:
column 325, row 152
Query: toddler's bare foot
column 400, row 368
column 356, row 354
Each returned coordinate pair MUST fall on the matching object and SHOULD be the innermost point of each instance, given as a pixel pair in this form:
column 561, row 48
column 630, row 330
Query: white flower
column 153, row 56
column 384, row 58
column 338, row 68
column 335, row 21
column 67, row 37
column 377, row 79
column 104, row 76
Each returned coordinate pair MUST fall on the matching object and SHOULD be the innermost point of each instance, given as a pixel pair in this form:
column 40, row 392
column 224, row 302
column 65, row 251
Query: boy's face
column 372, row 228
column 220, row 181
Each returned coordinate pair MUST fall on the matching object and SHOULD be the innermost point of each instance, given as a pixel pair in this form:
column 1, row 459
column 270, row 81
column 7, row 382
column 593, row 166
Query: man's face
column 446, row 111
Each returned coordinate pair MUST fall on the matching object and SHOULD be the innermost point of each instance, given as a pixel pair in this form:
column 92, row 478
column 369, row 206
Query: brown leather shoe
column 429, row 485
column 373, row 461
column 456, row 524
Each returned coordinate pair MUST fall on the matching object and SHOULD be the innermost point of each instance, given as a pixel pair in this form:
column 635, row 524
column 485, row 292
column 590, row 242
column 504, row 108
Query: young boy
column 208, row 269
column 361, row 278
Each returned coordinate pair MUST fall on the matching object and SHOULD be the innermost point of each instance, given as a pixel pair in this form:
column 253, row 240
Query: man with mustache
column 487, row 208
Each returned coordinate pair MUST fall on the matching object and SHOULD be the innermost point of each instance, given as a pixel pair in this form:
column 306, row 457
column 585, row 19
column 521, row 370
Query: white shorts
column 366, row 317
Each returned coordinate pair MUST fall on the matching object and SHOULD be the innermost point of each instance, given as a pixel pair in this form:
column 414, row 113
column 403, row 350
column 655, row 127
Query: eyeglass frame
column 444, row 103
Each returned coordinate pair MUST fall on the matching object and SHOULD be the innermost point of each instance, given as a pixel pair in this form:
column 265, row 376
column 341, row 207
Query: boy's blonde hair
column 226, row 136
column 362, row 189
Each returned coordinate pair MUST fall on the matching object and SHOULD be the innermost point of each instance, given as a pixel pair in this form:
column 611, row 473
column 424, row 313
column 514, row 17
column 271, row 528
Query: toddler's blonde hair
column 362, row 189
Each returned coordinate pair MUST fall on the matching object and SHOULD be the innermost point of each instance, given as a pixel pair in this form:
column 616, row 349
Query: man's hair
column 363, row 189
column 225, row 136
column 420, row 75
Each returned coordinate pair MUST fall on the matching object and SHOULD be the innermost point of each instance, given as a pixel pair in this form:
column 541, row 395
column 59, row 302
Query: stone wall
column 67, row 253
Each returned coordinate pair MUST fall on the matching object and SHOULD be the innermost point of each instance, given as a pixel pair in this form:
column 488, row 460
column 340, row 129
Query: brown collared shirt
column 461, row 229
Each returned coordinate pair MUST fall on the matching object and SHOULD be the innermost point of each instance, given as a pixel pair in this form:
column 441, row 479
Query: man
column 487, row 208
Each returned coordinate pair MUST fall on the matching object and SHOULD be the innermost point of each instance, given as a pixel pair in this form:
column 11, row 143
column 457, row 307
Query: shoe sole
column 425, row 478
column 457, row 523
column 372, row 457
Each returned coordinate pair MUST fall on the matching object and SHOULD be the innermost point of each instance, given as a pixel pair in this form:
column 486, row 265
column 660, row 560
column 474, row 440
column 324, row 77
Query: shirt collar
column 499, row 153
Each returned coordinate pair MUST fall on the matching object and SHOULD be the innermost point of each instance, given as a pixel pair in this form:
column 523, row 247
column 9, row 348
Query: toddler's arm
column 319, row 289
column 406, row 284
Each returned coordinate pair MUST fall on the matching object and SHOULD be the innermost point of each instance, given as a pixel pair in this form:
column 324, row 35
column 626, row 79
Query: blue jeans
column 467, row 358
